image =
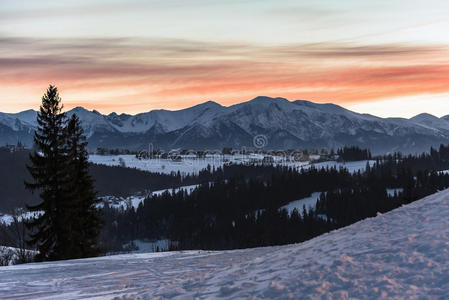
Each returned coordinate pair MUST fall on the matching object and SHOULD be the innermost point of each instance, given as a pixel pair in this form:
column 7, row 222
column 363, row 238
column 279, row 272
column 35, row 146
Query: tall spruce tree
column 69, row 223
column 84, row 216
column 50, row 178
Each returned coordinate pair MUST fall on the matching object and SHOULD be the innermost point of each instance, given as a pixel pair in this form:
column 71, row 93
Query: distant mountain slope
column 284, row 124
column 401, row 254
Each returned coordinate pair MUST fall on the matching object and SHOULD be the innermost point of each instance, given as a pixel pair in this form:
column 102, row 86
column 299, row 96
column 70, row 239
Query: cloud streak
column 175, row 73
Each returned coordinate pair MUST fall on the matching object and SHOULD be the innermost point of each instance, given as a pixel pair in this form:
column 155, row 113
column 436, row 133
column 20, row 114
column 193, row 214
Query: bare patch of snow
column 8, row 219
column 308, row 202
column 391, row 192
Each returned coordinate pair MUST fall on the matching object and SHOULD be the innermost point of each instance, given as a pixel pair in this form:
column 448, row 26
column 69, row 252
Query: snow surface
column 352, row 166
column 8, row 219
column 14, row 121
column 309, row 202
column 391, row 192
column 113, row 201
column 430, row 121
column 166, row 166
column 400, row 254
column 191, row 165
column 134, row 201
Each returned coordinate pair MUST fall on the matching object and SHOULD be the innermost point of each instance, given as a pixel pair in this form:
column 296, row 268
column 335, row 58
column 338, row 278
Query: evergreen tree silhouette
column 69, row 222
column 50, row 178
column 84, row 216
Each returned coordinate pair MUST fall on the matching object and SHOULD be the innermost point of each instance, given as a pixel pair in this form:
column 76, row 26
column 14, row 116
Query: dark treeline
column 435, row 159
column 12, row 175
column 214, row 207
column 244, row 211
column 108, row 180
column 353, row 153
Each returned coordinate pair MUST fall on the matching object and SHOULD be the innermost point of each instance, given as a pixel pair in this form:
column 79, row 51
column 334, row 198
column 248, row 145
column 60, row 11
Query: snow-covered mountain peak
column 92, row 121
column 268, row 99
column 81, row 112
column 286, row 124
column 430, row 121
column 16, row 121
column 445, row 117
column 327, row 107
column 210, row 104
column 79, row 109
column 28, row 116
column 424, row 116
column 27, row 112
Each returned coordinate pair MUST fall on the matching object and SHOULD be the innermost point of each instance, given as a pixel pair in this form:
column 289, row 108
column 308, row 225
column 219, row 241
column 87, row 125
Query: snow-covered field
column 400, row 254
column 308, row 202
column 134, row 201
column 191, row 165
column 391, row 192
column 113, row 201
column 352, row 166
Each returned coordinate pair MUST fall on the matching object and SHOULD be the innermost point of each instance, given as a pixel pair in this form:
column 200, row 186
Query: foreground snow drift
column 404, row 253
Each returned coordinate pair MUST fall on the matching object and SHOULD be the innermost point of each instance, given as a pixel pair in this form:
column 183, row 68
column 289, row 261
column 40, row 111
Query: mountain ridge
column 284, row 123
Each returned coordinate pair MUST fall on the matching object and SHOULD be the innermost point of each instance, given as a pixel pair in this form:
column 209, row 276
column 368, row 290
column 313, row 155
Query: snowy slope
column 19, row 120
column 401, row 254
column 92, row 121
column 431, row 121
column 308, row 202
column 169, row 120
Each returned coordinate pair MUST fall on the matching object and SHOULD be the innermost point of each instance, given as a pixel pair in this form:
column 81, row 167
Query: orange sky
column 152, row 78
column 349, row 54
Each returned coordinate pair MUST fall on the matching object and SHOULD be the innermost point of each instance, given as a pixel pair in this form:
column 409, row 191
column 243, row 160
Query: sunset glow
column 134, row 56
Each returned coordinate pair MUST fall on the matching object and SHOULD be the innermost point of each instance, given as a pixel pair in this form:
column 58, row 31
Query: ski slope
column 400, row 254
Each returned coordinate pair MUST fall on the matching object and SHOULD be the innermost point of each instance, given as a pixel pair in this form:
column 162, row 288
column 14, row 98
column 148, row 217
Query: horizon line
column 226, row 106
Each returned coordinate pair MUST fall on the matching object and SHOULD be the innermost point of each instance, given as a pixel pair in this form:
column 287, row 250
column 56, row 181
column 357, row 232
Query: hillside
column 283, row 124
column 109, row 180
column 400, row 254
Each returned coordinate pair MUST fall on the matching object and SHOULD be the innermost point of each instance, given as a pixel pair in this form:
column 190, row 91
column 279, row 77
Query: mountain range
column 283, row 124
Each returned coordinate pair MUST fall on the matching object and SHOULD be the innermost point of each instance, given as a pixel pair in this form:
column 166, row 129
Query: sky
column 388, row 58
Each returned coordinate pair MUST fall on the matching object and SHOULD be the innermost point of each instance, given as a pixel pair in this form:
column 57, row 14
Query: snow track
column 400, row 254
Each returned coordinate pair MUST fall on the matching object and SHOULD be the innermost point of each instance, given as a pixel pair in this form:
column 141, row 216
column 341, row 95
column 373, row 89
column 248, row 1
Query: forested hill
column 109, row 180
column 246, row 211
column 117, row 181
